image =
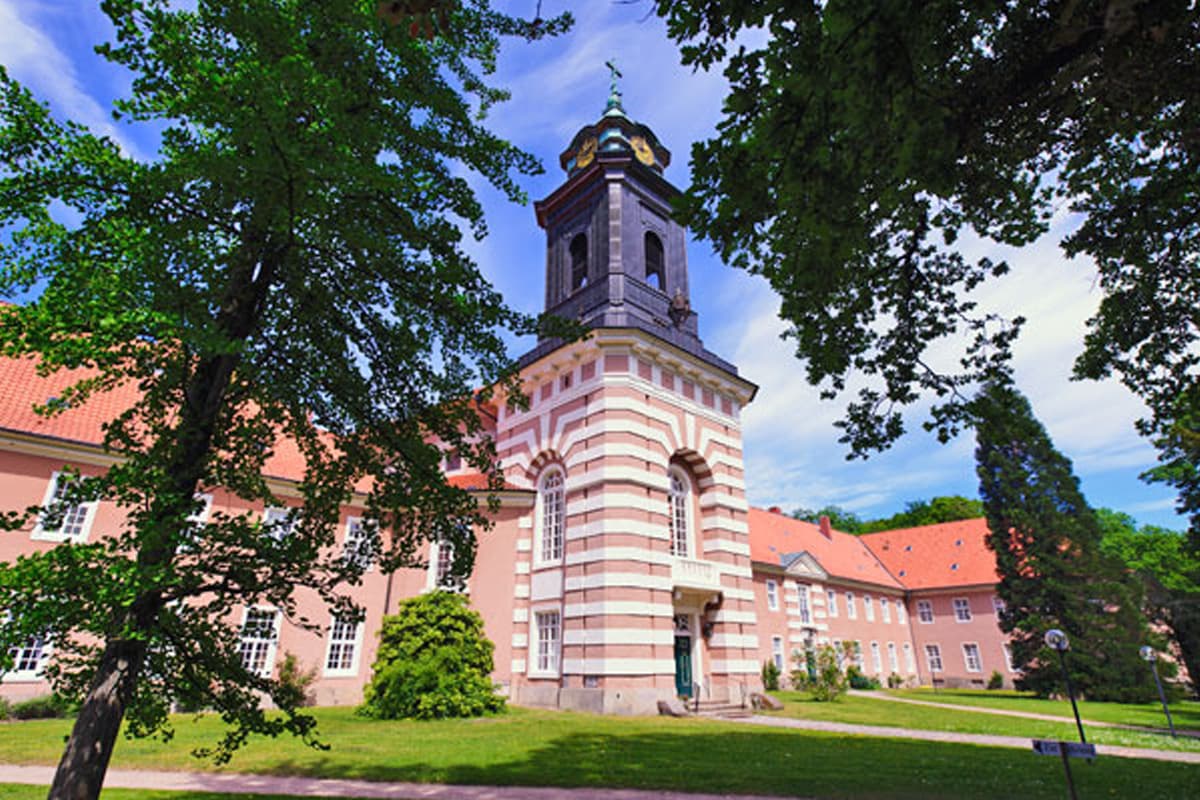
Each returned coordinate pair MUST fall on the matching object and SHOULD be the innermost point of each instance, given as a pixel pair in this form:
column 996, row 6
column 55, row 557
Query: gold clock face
column 587, row 151
column 642, row 150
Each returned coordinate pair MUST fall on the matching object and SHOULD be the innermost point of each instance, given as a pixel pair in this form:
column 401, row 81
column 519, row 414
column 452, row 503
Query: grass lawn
column 15, row 791
column 545, row 748
column 1186, row 714
column 868, row 711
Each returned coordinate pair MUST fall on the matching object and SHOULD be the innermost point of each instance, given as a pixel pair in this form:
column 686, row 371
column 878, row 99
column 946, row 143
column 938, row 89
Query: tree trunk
column 80, row 773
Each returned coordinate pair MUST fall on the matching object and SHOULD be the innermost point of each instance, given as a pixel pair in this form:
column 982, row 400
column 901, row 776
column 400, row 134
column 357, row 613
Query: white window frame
column 268, row 666
column 433, row 572
column 901, row 612
column 679, row 513
column 885, row 610
column 831, row 603
column 777, row 651
column 551, row 544
column 547, row 663
column 43, row 534
column 851, row 610
column 869, row 607
column 44, row 646
column 355, row 643
column 910, row 662
column 962, row 609
column 1006, row 649
column 351, row 540
column 970, row 651
column 272, row 514
column 998, row 605
column 772, row 595
column 893, row 659
column 933, row 655
column 925, row 612
column 840, row 652
column 804, row 607
column 876, row 658
column 860, row 660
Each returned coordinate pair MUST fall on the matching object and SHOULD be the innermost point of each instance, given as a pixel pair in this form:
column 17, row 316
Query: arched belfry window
column 656, row 274
column 679, row 509
column 552, row 515
column 579, row 262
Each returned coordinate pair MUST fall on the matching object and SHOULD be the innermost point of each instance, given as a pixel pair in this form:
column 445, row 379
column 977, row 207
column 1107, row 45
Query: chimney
column 775, row 510
column 826, row 531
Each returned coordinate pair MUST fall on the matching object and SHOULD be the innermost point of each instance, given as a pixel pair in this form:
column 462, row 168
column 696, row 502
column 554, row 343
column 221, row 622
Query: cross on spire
column 614, row 93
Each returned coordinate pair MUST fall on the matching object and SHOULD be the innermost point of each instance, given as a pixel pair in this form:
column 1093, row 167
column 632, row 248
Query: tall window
column 925, row 611
column 777, row 651
column 901, row 614
column 971, row 658
column 553, row 515
column 805, row 614
column 893, row 662
column 579, row 262
column 909, row 663
column 60, row 522
column 548, row 638
column 445, row 562
column 858, row 655
column 997, row 605
column 851, row 610
column 342, row 657
column 831, row 602
column 1008, row 657
column 933, row 656
column 678, row 502
column 360, row 543
column 772, row 596
column 656, row 274
column 260, row 632
column 962, row 609
column 885, row 609
column 869, row 605
column 876, row 659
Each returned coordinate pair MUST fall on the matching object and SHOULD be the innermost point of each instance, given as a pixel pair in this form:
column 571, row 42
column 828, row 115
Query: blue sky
column 792, row 454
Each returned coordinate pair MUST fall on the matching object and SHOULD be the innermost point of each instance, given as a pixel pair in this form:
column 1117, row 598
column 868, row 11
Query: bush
column 829, row 683
column 895, row 681
column 857, row 680
column 770, row 676
column 996, row 681
column 5, row 708
column 433, row 662
column 47, row 706
column 295, row 682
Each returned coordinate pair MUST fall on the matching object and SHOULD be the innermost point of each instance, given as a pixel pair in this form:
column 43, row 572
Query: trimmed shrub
column 895, row 681
column 996, row 681
column 857, row 680
column 770, row 676
column 433, row 662
column 47, row 706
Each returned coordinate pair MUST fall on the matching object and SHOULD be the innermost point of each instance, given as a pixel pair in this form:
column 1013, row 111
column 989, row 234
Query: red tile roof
column 774, row 535
column 935, row 556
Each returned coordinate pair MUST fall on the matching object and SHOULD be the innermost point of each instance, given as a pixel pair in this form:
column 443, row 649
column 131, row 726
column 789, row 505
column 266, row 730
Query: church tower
column 632, row 568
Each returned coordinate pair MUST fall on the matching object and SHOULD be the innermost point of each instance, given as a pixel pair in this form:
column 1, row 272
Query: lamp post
column 1058, row 640
column 1148, row 654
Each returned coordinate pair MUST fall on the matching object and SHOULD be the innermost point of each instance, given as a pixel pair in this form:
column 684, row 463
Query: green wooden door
column 683, row 666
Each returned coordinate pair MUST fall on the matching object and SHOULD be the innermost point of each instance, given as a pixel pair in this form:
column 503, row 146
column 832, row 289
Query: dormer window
column 656, row 275
column 579, row 262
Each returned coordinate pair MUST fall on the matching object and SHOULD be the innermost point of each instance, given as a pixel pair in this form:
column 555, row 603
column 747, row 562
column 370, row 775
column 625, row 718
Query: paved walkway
column 1004, row 712
column 325, row 787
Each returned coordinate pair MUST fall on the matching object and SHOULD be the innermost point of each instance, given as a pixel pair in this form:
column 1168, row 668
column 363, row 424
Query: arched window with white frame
column 679, row 512
column 552, row 515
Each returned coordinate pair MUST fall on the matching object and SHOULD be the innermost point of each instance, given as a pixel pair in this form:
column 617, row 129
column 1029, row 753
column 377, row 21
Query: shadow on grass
column 786, row 764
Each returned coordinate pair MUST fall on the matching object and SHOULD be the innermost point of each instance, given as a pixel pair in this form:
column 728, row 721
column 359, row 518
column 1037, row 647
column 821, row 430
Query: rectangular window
column 28, row 659
column 893, row 662
column 548, row 637
column 909, row 662
column 831, row 603
column 885, row 609
column 260, row 632
column 869, row 607
column 901, row 613
column 840, row 651
column 925, row 611
column 777, row 651
column 962, row 609
column 805, row 613
column 772, row 596
column 344, row 637
column 1008, row 662
column 851, row 611
column 933, row 656
column 876, row 658
column 858, row 655
column 60, row 522
column 360, row 543
column 971, row 658
column 443, row 564
column 997, row 605
column 280, row 523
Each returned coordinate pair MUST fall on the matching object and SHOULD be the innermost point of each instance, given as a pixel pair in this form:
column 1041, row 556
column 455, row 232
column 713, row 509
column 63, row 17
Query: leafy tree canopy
column 862, row 140
column 841, row 519
column 916, row 512
column 289, row 268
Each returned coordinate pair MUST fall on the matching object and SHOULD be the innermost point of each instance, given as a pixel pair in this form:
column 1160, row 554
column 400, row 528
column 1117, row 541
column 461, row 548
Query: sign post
column 1067, row 751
